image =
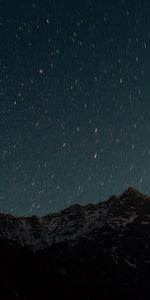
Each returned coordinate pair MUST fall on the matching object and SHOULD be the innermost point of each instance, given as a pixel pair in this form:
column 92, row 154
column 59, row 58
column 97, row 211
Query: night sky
column 74, row 102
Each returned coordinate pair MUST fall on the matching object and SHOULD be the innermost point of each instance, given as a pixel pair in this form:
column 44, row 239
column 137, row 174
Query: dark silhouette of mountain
column 91, row 252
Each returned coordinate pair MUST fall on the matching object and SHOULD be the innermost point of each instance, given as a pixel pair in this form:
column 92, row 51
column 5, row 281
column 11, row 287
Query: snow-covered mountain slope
column 70, row 225
column 88, row 252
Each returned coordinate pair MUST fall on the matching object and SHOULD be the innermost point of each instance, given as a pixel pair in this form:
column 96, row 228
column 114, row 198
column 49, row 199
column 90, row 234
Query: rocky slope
column 84, row 252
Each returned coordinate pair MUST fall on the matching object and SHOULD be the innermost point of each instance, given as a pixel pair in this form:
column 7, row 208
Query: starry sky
column 74, row 102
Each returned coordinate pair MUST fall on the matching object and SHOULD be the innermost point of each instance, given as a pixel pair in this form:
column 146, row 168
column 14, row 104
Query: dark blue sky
column 74, row 102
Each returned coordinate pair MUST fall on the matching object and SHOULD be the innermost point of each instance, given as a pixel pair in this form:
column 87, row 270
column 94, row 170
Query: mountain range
column 99, row 251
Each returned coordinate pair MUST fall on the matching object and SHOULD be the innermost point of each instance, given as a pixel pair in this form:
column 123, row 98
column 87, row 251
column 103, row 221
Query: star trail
column 74, row 102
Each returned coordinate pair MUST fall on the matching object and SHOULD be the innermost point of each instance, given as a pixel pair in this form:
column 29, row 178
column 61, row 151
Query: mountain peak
column 132, row 192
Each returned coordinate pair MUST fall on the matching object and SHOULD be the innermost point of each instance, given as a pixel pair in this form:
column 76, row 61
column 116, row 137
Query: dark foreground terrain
column 93, row 252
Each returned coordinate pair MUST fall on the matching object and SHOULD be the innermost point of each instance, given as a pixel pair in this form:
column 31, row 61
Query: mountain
column 92, row 252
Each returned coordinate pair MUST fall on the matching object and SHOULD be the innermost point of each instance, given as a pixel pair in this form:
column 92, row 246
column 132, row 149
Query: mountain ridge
column 74, row 221
column 96, row 251
column 50, row 226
